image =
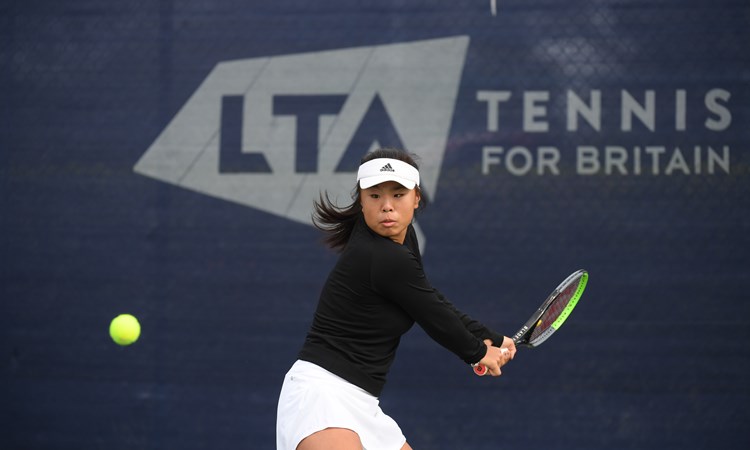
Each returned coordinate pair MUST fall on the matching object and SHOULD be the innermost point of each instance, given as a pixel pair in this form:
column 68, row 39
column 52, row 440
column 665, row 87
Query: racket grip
column 481, row 369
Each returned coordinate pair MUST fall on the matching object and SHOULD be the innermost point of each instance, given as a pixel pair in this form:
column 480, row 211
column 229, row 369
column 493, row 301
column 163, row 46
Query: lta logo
column 271, row 133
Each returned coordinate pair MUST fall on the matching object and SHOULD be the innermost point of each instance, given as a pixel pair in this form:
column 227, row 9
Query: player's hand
column 510, row 345
column 496, row 357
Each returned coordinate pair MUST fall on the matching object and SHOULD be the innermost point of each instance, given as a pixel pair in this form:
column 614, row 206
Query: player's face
column 389, row 208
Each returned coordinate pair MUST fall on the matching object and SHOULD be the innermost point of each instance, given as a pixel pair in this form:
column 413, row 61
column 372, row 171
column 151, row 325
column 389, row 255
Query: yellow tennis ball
column 124, row 329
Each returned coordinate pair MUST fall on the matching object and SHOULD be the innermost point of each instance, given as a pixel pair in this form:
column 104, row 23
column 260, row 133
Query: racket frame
column 522, row 335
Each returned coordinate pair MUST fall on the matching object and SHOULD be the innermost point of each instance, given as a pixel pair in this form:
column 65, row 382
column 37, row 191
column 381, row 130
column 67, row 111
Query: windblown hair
column 338, row 222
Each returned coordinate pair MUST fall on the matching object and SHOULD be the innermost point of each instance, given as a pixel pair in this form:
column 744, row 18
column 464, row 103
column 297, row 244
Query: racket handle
column 481, row 369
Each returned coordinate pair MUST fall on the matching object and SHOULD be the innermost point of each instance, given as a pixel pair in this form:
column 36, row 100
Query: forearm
column 474, row 327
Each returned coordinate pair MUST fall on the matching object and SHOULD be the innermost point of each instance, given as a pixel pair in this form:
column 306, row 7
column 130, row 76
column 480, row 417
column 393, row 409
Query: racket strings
column 555, row 310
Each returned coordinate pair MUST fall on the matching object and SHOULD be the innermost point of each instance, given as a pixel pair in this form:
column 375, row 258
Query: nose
column 387, row 207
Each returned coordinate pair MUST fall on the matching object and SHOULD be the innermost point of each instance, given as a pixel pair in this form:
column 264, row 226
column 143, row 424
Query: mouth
column 388, row 222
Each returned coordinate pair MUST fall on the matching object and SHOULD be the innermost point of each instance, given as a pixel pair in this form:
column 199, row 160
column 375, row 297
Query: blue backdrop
column 160, row 158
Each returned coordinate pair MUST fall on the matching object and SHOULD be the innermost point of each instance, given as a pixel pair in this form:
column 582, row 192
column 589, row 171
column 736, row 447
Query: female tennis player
column 374, row 294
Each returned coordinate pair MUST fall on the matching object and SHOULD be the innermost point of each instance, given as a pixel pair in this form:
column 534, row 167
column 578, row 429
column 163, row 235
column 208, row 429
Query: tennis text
column 589, row 119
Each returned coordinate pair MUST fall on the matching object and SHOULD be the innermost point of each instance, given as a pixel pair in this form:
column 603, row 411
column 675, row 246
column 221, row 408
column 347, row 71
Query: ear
column 417, row 198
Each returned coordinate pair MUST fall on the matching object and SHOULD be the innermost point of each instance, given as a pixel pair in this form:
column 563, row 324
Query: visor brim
column 369, row 182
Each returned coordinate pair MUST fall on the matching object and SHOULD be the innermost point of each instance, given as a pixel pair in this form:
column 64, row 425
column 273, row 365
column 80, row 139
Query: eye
column 374, row 195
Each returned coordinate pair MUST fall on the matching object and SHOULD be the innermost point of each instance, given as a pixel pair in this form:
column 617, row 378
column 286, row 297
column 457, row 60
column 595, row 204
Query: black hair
column 338, row 222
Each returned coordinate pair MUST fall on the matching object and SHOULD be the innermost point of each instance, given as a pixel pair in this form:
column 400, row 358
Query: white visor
column 381, row 170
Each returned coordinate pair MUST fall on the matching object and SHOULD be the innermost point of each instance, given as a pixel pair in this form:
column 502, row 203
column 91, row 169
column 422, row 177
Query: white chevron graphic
column 417, row 83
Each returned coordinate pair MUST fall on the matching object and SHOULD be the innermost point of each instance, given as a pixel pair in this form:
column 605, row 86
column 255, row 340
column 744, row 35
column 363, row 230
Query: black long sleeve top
column 373, row 295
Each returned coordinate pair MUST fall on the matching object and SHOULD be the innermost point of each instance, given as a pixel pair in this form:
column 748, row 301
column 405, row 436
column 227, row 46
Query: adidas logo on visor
column 387, row 168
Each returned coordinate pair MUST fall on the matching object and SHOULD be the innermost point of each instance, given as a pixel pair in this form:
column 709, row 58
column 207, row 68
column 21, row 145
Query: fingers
column 504, row 359
column 495, row 358
column 510, row 346
column 504, row 356
column 507, row 355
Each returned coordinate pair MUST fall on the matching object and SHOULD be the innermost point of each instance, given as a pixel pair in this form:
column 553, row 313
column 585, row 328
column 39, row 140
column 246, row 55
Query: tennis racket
column 550, row 316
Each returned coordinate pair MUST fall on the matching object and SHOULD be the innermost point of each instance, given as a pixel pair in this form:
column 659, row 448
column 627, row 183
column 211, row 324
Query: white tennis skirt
column 313, row 399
